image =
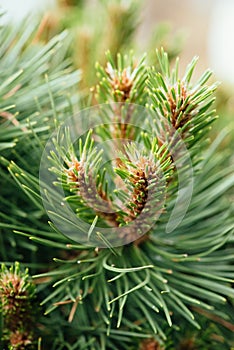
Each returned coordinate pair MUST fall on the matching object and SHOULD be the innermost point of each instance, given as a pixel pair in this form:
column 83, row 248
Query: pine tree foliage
column 186, row 106
column 33, row 79
column 122, row 82
column 25, row 65
column 17, row 296
column 137, row 295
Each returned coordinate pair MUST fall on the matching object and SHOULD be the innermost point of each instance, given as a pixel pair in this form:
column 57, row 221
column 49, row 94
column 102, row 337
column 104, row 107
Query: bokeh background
column 207, row 26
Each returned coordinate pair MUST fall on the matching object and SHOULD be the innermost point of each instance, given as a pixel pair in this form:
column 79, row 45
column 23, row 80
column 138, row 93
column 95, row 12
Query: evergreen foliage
column 18, row 308
column 163, row 288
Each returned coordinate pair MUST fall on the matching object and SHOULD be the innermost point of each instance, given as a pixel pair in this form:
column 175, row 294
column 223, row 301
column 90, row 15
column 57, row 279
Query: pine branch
column 185, row 107
column 17, row 294
column 145, row 188
column 121, row 82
